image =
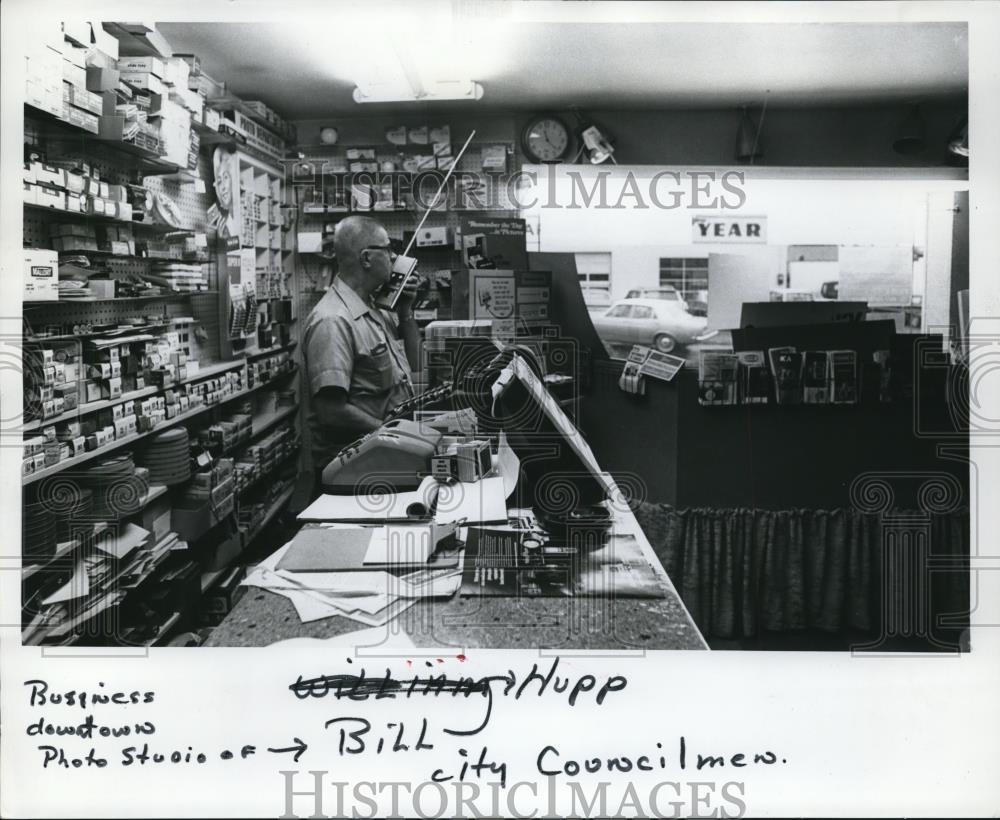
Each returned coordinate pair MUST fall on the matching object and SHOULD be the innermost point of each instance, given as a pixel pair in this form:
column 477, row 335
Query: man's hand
column 404, row 304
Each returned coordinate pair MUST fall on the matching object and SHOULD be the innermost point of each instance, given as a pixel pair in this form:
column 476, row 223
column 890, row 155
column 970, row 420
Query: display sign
column 493, row 296
column 729, row 229
column 492, row 242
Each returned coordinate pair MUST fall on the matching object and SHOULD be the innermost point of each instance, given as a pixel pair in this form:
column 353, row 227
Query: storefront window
column 689, row 276
column 594, row 270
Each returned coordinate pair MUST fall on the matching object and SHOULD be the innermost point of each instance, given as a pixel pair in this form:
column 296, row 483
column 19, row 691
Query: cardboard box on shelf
column 41, row 275
column 144, row 81
column 90, row 101
column 102, row 79
column 144, row 65
column 74, row 74
column 46, row 174
column 51, row 198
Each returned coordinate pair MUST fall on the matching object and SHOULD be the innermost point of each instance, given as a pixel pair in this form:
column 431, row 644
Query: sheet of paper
column 339, row 602
column 383, row 507
column 479, row 502
column 508, row 465
column 429, row 583
column 76, row 587
column 343, row 582
column 271, row 562
column 121, row 544
column 395, row 544
column 307, row 607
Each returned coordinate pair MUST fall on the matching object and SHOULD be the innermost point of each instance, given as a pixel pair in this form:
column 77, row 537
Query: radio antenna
column 434, row 201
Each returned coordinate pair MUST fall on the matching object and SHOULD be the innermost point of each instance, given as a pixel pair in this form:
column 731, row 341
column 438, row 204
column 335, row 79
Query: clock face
column 329, row 135
column 546, row 139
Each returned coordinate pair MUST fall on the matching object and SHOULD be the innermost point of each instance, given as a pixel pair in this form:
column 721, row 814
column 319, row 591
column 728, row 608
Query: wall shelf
column 110, row 220
column 94, row 299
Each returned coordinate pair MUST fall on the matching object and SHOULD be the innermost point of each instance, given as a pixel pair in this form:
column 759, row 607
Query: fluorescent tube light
column 428, row 92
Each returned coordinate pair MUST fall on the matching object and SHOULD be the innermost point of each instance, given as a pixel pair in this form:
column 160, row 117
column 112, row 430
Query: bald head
column 352, row 235
column 360, row 244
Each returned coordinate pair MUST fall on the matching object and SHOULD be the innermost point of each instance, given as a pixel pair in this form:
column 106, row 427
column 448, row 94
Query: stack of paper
column 372, row 597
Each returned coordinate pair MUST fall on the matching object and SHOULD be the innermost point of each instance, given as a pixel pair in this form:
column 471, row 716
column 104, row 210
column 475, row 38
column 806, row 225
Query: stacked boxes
column 229, row 432
column 144, row 73
column 264, row 369
column 278, row 125
column 255, row 135
column 214, row 390
column 73, row 237
column 73, row 185
column 106, row 368
column 208, row 499
column 263, row 458
column 44, row 72
column 51, row 382
column 38, row 452
column 175, row 131
column 80, row 107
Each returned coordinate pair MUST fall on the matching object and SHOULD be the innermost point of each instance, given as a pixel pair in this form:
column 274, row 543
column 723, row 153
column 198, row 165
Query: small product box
column 49, row 197
column 49, row 175
column 41, row 275
column 75, row 203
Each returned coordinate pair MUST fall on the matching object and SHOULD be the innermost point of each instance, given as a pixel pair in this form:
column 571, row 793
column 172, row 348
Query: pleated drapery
column 741, row 571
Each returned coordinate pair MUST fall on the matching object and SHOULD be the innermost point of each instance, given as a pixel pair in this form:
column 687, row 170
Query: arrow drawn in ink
column 298, row 749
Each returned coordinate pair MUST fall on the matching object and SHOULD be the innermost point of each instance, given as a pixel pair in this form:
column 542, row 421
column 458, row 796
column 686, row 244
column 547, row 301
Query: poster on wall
column 492, row 242
column 224, row 213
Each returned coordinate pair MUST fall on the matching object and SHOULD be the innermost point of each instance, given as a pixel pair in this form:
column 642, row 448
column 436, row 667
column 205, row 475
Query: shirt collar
column 355, row 304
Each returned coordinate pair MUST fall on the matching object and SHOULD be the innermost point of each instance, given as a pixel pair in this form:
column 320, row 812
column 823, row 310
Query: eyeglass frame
column 387, row 248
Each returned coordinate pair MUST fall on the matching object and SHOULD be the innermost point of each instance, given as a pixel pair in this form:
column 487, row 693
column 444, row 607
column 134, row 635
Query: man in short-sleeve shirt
column 359, row 357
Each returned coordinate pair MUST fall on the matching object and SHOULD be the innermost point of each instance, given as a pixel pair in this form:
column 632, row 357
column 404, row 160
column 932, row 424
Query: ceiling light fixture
column 435, row 91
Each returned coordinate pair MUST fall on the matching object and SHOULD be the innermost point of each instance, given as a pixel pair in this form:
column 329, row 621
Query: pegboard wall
column 396, row 222
column 316, row 272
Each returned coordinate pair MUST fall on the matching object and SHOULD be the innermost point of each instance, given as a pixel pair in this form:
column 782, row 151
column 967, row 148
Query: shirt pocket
column 374, row 371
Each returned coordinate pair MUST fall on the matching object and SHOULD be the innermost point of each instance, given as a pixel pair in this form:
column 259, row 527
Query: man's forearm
column 346, row 416
column 410, row 335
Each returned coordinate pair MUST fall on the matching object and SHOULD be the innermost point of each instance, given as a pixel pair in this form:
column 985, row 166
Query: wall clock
column 329, row 135
column 545, row 139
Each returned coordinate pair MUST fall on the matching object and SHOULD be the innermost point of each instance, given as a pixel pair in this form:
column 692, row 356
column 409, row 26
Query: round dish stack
column 38, row 532
column 81, row 508
column 168, row 458
column 118, row 491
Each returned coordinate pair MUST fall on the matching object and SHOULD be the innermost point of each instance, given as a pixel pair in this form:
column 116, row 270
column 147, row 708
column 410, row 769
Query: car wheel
column 664, row 342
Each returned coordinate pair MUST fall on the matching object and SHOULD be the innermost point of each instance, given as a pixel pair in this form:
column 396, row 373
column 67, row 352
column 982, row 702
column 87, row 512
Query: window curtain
column 740, row 571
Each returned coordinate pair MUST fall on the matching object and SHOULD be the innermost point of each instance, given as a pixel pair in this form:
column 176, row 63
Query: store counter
column 262, row 617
